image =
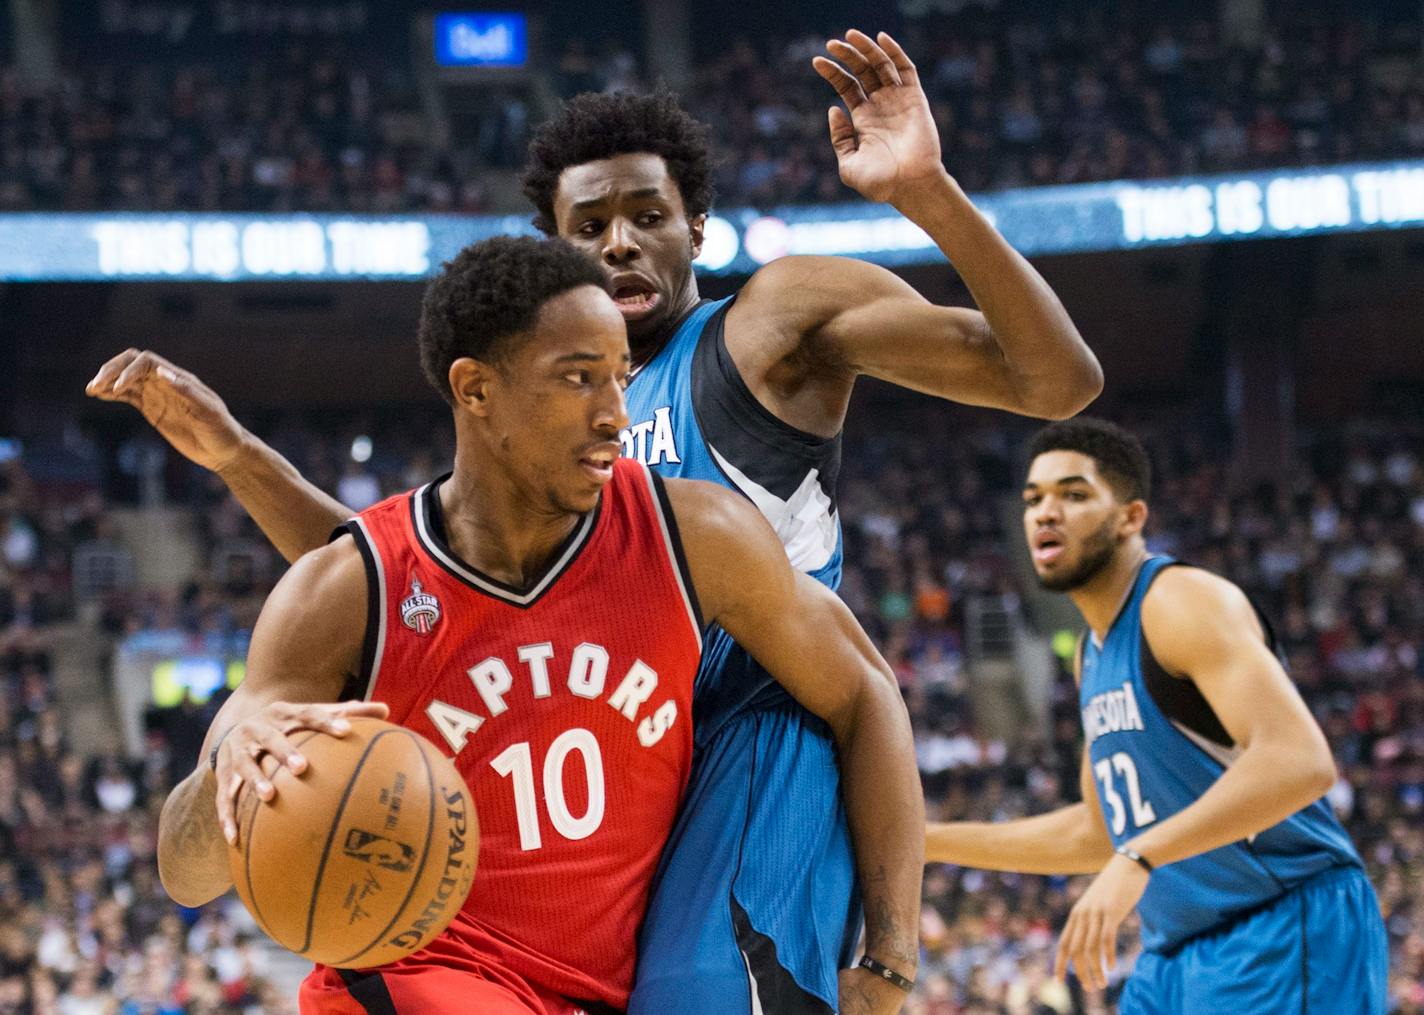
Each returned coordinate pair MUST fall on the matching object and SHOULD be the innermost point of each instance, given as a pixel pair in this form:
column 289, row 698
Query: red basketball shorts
column 447, row 977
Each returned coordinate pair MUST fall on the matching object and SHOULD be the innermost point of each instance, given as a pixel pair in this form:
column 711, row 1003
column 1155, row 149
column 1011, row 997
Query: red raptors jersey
column 567, row 708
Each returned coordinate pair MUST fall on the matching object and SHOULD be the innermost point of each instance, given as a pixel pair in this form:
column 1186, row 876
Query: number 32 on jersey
column 1122, row 764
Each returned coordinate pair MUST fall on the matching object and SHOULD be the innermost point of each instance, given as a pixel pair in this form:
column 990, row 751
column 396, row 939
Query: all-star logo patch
column 420, row 611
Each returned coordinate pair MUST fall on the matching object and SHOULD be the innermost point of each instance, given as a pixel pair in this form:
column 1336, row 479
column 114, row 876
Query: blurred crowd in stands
column 85, row 927
column 297, row 129
column 1023, row 94
column 1029, row 95
column 1335, row 557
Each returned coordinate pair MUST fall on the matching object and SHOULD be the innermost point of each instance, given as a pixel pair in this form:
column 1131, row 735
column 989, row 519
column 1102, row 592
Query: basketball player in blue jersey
column 1202, row 778
column 755, row 909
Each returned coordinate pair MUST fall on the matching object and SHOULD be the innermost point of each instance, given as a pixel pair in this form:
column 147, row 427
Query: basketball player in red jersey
column 538, row 612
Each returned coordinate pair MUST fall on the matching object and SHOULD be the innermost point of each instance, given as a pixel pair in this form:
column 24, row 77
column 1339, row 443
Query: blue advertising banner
column 481, row 40
column 1122, row 215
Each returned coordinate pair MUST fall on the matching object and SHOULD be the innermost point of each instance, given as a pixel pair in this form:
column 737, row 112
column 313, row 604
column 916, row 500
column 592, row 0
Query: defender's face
column 1071, row 519
column 557, row 402
column 626, row 212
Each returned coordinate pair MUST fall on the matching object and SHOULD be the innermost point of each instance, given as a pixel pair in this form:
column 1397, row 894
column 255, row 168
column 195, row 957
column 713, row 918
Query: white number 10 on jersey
column 1142, row 812
column 517, row 762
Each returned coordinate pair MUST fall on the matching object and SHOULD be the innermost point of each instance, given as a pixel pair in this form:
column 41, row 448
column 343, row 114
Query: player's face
column 627, row 213
column 557, row 402
column 1072, row 519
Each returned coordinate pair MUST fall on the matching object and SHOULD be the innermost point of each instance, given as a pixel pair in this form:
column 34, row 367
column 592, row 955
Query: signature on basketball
column 358, row 894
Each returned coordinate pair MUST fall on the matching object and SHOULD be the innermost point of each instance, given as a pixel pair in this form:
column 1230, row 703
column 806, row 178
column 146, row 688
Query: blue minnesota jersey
column 1155, row 747
column 693, row 416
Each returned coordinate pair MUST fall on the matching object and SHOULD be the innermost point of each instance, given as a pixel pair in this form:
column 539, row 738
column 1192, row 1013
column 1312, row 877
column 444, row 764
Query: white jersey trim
column 1221, row 754
column 431, row 547
column 805, row 522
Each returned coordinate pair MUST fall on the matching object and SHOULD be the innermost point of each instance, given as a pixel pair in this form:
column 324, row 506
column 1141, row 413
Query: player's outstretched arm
column 1022, row 353
column 306, row 644
column 1069, row 840
column 294, row 514
column 1202, row 628
column 807, row 638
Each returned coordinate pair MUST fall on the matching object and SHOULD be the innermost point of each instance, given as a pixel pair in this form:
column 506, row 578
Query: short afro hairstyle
column 1119, row 455
column 597, row 125
column 490, row 291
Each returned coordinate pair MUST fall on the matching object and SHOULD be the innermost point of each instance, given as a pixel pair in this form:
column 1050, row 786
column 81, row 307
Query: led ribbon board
column 1083, row 218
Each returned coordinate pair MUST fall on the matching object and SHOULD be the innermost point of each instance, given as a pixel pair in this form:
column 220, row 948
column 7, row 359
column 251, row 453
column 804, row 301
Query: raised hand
column 888, row 144
column 184, row 410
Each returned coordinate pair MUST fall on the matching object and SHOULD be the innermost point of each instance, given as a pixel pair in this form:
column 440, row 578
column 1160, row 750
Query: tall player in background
column 756, row 902
column 562, row 592
column 1202, row 778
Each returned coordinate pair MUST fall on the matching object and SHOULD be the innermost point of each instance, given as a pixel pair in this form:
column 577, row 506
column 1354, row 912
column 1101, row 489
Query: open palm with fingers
column 888, row 143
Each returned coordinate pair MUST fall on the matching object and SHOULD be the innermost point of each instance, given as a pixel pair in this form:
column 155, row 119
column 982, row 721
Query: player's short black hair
column 598, row 125
column 1119, row 455
column 490, row 291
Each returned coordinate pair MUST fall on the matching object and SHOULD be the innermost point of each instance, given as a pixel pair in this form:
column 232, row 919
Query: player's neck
column 1100, row 599
column 498, row 529
column 644, row 347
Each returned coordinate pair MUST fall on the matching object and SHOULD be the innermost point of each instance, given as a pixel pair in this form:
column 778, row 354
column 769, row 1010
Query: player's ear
column 469, row 384
column 696, row 226
column 1134, row 518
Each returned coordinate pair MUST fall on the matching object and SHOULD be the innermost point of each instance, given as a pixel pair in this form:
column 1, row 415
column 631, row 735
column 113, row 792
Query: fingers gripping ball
column 365, row 856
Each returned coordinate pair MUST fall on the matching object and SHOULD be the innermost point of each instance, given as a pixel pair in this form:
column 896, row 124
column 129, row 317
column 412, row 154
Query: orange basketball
column 365, row 856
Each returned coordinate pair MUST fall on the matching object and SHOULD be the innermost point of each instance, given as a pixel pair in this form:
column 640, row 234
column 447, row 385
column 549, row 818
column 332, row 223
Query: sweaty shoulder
column 1188, row 611
column 726, row 539
column 313, row 624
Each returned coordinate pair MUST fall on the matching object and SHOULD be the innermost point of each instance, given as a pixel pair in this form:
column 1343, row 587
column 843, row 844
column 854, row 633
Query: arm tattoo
column 195, row 817
column 886, row 938
column 190, row 841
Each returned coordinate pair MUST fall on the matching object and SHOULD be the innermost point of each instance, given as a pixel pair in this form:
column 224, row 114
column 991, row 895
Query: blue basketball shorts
column 755, row 907
column 1319, row 949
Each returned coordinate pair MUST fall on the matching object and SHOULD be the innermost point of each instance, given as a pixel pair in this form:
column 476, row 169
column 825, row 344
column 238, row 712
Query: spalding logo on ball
column 365, row 856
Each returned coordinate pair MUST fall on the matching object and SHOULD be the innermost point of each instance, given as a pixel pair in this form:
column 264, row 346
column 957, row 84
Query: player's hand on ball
column 187, row 412
column 889, row 143
column 252, row 751
column 864, row 993
column 1089, row 938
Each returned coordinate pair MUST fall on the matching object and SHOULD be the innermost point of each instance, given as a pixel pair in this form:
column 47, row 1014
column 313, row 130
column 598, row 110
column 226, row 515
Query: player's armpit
column 1201, row 627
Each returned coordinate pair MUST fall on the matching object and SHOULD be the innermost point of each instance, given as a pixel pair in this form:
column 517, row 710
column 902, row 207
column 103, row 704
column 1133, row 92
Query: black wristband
column 213, row 754
column 1135, row 857
column 886, row 973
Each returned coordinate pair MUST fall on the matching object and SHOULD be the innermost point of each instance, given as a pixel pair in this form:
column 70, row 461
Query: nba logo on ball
column 420, row 611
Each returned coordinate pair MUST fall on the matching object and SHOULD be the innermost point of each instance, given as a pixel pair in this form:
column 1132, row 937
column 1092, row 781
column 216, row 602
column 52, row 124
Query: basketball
column 365, row 856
